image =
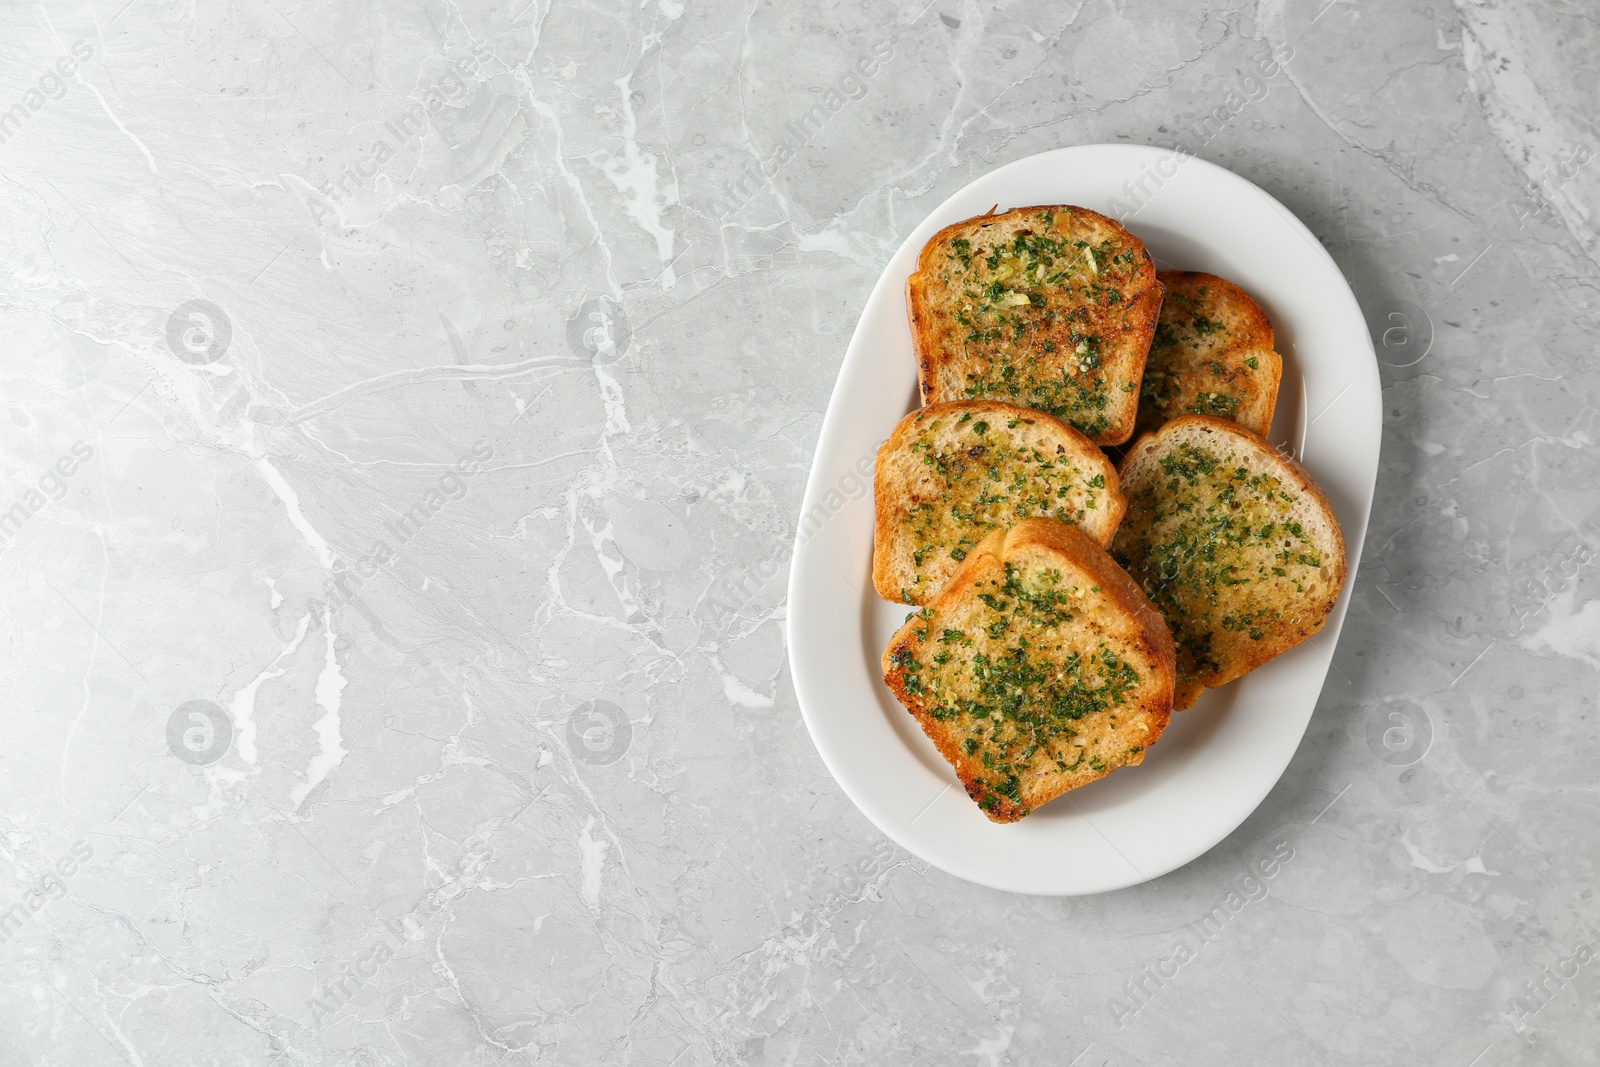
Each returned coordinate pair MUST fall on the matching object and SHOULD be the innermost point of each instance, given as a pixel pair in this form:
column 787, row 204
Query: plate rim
column 804, row 547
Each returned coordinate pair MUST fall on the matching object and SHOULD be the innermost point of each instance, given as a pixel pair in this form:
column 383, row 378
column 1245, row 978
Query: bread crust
column 1140, row 470
column 1115, row 609
column 1118, row 319
column 1213, row 353
column 901, row 482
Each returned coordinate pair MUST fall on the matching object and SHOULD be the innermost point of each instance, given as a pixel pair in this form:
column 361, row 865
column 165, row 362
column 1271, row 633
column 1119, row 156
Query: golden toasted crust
column 1232, row 541
column 952, row 473
column 1057, row 670
column 1212, row 355
column 1047, row 307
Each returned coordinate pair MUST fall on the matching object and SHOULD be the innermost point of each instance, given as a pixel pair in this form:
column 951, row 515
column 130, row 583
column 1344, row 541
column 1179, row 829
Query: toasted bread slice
column 1212, row 355
column 1232, row 541
column 950, row 474
column 1039, row 668
column 1050, row 308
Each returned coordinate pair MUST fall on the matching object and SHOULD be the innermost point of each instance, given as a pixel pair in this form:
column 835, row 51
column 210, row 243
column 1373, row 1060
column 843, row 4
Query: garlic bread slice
column 1212, row 355
column 951, row 474
column 1050, row 308
column 1040, row 668
column 1232, row 541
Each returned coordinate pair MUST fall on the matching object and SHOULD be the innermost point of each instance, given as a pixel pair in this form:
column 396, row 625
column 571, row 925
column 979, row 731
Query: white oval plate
column 1216, row 761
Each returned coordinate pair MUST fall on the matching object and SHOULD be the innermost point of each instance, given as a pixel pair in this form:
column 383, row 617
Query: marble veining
column 406, row 410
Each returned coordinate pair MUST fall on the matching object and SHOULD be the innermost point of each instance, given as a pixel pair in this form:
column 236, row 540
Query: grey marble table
column 406, row 409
